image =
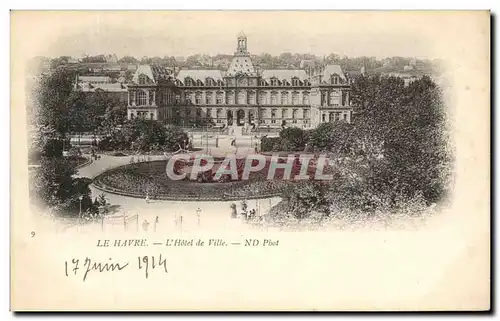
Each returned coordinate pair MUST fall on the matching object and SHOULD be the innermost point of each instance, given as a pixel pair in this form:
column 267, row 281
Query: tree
column 52, row 99
column 293, row 138
column 336, row 138
column 306, row 197
column 128, row 60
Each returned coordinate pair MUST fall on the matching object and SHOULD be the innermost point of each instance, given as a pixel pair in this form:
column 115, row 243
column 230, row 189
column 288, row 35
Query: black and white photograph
column 250, row 160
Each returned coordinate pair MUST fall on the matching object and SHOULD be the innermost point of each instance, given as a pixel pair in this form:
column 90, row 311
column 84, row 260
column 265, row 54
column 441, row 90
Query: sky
column 183, row 33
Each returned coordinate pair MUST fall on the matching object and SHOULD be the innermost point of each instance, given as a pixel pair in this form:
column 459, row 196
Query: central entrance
column 240, row 117
column 229, row 118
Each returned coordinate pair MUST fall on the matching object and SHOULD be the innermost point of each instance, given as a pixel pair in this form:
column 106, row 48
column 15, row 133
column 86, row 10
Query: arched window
column 335, row 98
column 263, row 113
column 335, row 79
column 274, row 82
column 263, row 98
column 188, row 81
column 274, row 98
column 198, row 112
column 284, row 98
column 209, row 112
column 295, row 82
column 141, row 98
column 220, row 98
column 241, row 98
column 209, row 81
column 230, row 98
column 306, row 113
column 198, row 98
column 208, row 98
column 295, row 98
column 219, row 112
column 251, row 98
column 284, row 113
column 294, row 113
column 305, row 98
column 273, row 113
column 142, row 79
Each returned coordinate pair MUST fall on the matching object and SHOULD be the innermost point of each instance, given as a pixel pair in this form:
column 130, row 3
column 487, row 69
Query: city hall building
column 241, row 96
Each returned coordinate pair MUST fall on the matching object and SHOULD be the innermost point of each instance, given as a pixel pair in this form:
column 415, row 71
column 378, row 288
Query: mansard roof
column 331, row 70
column 199, row 74
column 153, row 72
column 286, row 74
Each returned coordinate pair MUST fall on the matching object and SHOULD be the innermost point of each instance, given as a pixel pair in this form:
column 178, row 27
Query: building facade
column 241, row 96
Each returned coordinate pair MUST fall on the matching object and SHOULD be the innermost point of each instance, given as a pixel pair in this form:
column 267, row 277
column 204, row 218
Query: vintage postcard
column 250, row 160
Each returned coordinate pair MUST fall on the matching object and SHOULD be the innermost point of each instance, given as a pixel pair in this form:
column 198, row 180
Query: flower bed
column 150, row 178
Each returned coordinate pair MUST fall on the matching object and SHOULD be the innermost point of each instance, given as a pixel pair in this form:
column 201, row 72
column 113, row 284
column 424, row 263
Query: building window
column 219, row 99
column 151, row 116
column 274, row 98
column 188, row 81
column 345, row 117
column 209, row 82
column 284, row 98
column 241, row 98
column 198, row 112
column 209, row 113
column 284, row 113
column 305, row 98
column 323, row 98
column 141, row 98
column 219, row 112
column 142, row 80
column 323, row 118
column 295, row 99
column 198, row 98
column 306, row 113
column 295, row 82
column 262, row 98
column 273, row 113
column 188, row 98
column 274, row 82
column 294, row 113
column 188, row 112
column 208, row 98
column 273, row 121
column 177, row 98
column 230, row 98
column 335, row 98
column 294, row 121
column 251, row 98
column 335, row 79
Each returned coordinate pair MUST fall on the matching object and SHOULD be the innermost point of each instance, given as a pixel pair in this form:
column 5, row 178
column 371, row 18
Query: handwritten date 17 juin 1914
column 145, row 263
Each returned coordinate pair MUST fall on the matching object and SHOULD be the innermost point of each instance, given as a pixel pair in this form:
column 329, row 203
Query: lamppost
column 80, row 213
column 198, row 212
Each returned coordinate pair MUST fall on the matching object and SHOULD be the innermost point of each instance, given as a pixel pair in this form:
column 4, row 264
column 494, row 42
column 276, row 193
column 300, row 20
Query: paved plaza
column 168, row 216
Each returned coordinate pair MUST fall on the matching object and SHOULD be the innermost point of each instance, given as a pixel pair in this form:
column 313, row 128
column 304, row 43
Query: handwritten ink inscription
column 85, row 268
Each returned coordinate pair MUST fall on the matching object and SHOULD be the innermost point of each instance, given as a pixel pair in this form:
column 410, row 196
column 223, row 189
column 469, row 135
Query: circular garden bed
column 150, row 179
